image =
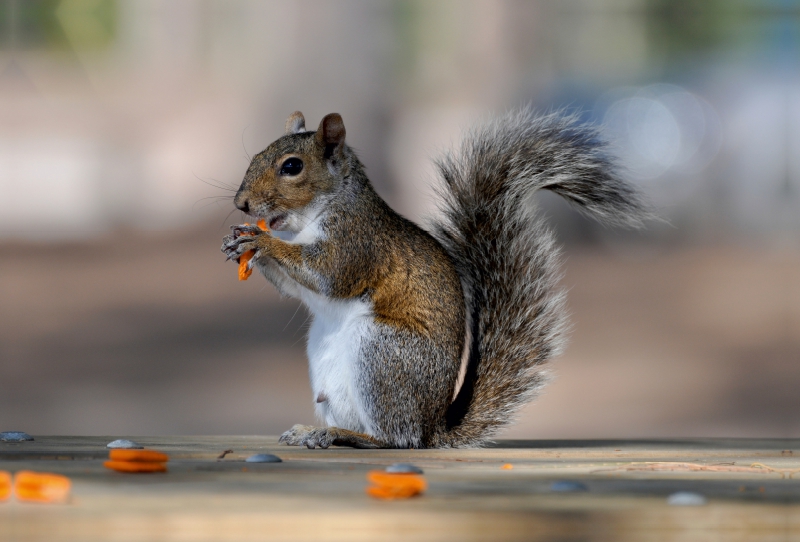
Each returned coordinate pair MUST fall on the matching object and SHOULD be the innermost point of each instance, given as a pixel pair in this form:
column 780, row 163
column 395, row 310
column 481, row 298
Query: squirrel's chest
column 334, row 343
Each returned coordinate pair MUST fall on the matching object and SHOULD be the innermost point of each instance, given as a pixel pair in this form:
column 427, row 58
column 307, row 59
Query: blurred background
column 126, row 125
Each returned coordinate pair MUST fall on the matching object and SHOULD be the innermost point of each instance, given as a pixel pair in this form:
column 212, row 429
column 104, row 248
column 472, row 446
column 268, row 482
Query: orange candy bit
column 395, row 486
column 135, row 466
column 136, row 461
column 5, row 485
column 41, row 487
column 139, row 456
column 244, row 259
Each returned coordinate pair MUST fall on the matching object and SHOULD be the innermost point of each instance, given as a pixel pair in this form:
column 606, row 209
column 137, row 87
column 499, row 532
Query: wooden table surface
column 752, row 489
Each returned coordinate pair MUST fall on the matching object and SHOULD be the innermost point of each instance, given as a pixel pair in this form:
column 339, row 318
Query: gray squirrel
column 396, row 308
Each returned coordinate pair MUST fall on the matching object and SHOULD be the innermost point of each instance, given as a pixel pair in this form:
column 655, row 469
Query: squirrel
column 396, row 308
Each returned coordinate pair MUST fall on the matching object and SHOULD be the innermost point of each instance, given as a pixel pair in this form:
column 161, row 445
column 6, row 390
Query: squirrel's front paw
column 308, row 436
column 237, row 243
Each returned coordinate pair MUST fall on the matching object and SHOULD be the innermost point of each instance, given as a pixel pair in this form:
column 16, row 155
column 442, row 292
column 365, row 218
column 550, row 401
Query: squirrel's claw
column 234, row 241
column 308, row 436
column 242, row 239
column 245, row 229
column 312, row 437
column 234, row 247
column 226, row 241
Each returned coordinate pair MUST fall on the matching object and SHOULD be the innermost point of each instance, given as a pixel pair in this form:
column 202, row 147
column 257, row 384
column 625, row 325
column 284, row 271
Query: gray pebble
column 264, row 458
column 14, row 436
column 686, row 498
column 404, row 468
column 567, row 486
column 125, row 444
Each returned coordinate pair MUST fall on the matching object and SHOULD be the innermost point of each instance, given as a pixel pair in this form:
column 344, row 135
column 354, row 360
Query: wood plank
column 319, row 494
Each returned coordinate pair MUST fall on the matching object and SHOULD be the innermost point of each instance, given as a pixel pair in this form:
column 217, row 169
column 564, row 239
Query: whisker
column 306, row 325
column 243, row 145
column 226, row 186
column 304, row 328
column 210, row 197
column 220, row 186
column 207, row 204
column 224, row 220
column 292, row 318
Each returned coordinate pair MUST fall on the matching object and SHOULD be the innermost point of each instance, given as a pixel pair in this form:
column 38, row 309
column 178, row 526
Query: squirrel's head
column 296, row 172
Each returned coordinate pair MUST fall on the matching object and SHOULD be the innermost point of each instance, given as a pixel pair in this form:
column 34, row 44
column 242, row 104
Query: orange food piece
column 244, row 259
column 395, row 485
column 138, row 456
column 41, row 487
column 5, row 485
column 507, row 466
column 135, row 466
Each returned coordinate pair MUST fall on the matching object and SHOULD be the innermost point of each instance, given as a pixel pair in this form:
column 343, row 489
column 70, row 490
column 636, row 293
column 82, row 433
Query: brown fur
column 264, row 182
column 396, row 272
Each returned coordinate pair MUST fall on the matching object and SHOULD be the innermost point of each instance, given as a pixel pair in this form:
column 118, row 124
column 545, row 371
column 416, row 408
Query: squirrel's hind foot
column 311, row 437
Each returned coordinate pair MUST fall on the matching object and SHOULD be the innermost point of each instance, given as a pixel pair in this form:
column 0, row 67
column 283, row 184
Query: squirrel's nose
column 243, row 206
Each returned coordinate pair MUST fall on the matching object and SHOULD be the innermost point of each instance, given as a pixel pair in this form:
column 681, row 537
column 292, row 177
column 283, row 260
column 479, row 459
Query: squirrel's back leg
column 406, row 382
column 311, row 437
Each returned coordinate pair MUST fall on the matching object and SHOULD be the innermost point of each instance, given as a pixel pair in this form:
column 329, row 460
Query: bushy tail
column 507, row 257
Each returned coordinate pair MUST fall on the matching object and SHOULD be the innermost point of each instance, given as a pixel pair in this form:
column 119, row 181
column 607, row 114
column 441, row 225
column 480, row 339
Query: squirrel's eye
column 292, row 166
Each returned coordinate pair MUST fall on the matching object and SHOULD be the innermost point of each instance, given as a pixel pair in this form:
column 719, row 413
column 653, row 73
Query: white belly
column 333, row 346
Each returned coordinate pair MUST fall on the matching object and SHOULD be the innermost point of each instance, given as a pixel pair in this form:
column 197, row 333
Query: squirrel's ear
column 330, row 134
column 296, row 123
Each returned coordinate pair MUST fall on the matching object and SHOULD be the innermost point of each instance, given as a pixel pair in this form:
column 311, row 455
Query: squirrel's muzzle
column 241, row 203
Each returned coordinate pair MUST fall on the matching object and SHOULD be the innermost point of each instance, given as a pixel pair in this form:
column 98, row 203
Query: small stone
column 568, row 486
column 14, row 436
column 404, row 468
column 124, row 444
column 686, row 498
column 264, row 458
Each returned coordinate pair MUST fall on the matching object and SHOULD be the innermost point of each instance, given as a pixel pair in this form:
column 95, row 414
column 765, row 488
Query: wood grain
column 320, row 494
